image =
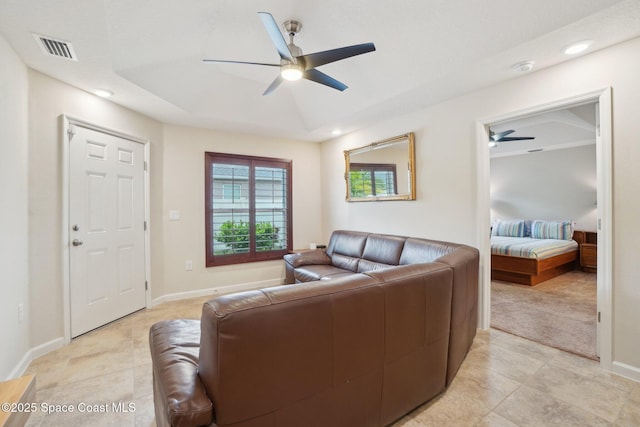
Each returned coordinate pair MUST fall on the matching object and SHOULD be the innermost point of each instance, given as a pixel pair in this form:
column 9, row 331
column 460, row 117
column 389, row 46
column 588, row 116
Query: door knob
column 77, row 242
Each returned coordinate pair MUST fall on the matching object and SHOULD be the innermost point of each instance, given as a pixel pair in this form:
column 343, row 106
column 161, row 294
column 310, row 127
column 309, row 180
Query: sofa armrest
column 293, row 261
column 315, row 257
column 178, row 393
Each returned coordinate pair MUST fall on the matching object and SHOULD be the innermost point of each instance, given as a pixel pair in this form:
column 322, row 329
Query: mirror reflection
column 383, row 170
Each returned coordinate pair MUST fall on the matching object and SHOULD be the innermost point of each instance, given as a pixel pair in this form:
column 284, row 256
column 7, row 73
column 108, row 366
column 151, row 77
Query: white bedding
column 526, row 247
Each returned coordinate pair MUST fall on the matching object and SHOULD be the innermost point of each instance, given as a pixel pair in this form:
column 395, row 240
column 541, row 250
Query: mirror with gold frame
column 383, row 170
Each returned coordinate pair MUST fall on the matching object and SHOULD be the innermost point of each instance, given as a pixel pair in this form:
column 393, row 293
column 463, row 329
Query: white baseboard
column 214, row 292
column 34, row 353
column 628, row 371
column 57, row 343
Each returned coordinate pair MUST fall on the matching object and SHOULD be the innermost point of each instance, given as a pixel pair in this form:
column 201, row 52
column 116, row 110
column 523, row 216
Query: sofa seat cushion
column 310, row 273
column 365, row 266
column 179, row 395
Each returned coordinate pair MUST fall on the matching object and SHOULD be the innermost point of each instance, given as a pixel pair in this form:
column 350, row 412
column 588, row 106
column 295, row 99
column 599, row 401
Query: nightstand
column 589, row 253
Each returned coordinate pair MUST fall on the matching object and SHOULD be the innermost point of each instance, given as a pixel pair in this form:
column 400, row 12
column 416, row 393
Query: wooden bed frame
column 531, row 271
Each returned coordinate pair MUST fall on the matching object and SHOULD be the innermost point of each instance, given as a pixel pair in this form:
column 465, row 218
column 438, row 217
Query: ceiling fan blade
column 274, row 85
column 500, row 135
column 317, row 59
column 239, row 62
column 516, row 138
column 276, row 36
column 320, row 77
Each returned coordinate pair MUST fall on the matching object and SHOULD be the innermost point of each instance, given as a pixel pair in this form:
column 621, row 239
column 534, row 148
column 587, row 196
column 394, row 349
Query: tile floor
column 504, row 381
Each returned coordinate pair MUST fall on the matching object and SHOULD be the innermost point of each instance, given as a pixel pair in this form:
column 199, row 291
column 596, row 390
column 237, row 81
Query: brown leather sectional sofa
column 381, row 326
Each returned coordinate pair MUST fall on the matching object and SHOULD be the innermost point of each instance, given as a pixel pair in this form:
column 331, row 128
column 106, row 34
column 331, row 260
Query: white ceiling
column 149, row 53
column 553, row 130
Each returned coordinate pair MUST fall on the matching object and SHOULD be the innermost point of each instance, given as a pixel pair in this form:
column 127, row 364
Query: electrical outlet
column 188, row 265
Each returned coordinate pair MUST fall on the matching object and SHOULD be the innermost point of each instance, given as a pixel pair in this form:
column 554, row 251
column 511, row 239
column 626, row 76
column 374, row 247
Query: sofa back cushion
column 418, row 251
column 381, row 251
column 345, row 249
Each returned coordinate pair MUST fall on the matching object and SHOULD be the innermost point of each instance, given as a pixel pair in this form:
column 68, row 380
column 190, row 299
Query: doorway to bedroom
column 546, row 174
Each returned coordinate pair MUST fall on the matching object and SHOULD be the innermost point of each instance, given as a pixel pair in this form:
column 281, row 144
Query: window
column 247, row 208
column 372, row 179
column 231, row 191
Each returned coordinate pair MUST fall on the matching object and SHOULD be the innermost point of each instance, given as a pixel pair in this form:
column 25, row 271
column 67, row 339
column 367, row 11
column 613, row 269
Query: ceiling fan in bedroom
column 494, row 138
column 293, row 64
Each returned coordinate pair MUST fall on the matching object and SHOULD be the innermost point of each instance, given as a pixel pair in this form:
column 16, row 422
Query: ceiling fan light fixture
column 291, row 72
column 293, row 64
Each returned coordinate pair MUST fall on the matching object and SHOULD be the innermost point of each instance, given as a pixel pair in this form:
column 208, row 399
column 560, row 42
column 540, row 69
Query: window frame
column 252, row 255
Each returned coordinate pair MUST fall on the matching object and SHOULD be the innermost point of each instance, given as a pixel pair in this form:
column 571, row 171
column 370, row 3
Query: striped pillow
column 509, row 228
column 560, row 230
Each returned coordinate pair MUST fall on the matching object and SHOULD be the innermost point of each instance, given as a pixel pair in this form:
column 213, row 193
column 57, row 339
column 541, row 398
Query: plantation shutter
column 248, row 208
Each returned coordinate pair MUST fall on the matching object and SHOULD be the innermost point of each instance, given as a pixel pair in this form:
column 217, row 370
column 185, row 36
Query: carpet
column 560, row 312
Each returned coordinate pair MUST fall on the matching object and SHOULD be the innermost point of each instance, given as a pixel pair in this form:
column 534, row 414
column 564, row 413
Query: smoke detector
column 56, row 47
column 524, row 66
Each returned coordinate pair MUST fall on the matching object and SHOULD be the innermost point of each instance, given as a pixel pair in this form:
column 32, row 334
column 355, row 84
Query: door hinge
column 598, row 317
column 145, row 226
column 146, row 285
column 71, row 131
column 145, row 166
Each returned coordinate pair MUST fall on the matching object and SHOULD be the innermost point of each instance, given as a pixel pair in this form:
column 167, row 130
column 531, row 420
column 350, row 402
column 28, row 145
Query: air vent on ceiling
column 59, row 48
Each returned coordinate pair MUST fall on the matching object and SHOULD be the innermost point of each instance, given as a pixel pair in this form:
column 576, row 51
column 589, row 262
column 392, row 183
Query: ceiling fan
column 494, row 138
column 293, row 64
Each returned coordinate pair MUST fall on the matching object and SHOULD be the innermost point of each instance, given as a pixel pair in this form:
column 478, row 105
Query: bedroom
column 549, row 177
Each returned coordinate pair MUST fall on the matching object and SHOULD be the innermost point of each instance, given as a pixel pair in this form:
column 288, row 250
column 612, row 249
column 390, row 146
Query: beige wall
column 48, row 99
column 14, row 216
column 445, row 187
column 547, row 185
column 184, row 192
column 446, row 170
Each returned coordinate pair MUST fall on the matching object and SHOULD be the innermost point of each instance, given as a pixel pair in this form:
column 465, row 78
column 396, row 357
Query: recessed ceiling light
column 336, row 132
column 103, row 93
column 524, row 66
column 577, row 47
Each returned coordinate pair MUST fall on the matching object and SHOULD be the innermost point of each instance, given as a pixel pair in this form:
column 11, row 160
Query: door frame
column 604, row 171
column 66, row 124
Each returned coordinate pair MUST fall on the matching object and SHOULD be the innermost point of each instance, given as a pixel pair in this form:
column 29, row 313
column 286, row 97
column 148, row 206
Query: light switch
column 174, row 215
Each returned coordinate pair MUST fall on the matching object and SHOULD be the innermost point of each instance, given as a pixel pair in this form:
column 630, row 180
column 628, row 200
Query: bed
column 530, row 252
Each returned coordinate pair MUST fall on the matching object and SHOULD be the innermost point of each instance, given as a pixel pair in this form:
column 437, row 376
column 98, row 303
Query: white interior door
column 106, row 228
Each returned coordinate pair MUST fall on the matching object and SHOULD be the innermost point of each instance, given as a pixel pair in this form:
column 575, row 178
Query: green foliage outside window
column 235, row 235
column 361, row 185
